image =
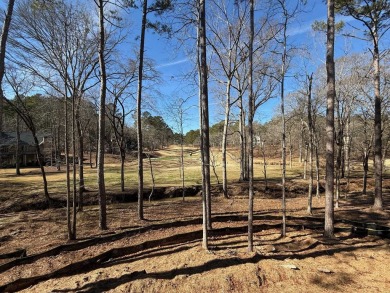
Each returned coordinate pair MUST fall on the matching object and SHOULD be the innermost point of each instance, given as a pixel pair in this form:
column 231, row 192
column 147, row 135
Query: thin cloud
column 306, row 27
column 172, row 63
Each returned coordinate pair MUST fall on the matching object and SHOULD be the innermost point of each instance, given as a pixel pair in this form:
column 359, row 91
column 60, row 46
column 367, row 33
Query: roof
column 26, row 138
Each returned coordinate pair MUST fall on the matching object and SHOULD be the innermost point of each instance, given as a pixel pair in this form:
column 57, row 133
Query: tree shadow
column 112, row 283
column 175, row 244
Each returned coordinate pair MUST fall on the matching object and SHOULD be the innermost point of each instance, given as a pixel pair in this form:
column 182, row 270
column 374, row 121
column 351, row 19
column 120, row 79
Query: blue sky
column 172, row 63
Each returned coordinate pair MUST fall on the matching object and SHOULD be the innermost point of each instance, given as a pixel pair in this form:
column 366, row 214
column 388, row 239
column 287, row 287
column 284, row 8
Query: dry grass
column 356, row 264
column 166, row 168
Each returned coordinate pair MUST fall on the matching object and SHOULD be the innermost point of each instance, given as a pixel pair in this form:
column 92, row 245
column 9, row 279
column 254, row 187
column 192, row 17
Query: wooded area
column 80, row 99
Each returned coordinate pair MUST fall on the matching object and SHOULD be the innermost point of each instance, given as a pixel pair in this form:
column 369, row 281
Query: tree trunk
column 224, row 139
column 284, row 57
column 317, row 171
column 123, row 157
column 152, row 176
column 80, row 156
column 305, row 161
column 41, row 166
column 243, row 149
column 347, row 151
column 365, row 170
column 139, row 122
column 182, row 157
column 204, row 117
column 378, row 202
column 310, row 193
column 264, row 166
column 74, row 169
column 3, row 45
column 17, row 154
column 250, row 126
column 71, row 235
column 102, row 123
column 301, row 143
column 290, row 151
column 330, row 97
column 311, row 140
column 339, row 154
column 67, row 168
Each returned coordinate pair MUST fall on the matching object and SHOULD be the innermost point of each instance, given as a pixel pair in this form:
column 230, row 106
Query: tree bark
column 305, row 161
column 74, row 167
column 311, row 140
column 250, row 125
column 224, row 139
column 243, row 148
column 264, row 166
column 40, row 159
column 17, row 154
column 365, row 170
column 205, row 151
column 123, row 157
column 317, row 170
column 80, row 138
column 3, row 45
column 330, row 97
column 378, row 202
column 67, row 168
column 139, row 120
column 102, row 123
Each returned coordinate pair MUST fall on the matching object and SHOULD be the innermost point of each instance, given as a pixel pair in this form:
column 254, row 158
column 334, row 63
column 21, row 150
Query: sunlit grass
column 166, row 171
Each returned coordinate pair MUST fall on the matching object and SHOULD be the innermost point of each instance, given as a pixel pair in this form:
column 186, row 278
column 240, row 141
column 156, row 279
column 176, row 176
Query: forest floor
column 164, row 252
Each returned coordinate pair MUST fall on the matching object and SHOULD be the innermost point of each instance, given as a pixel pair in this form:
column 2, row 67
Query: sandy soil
column 164, row 252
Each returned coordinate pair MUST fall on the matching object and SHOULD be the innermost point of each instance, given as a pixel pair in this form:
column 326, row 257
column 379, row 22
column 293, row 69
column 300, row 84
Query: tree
column 117, row 112
column 330, row 97
column 374, row 16
column 178, row 109
column 204, row 120
column 67, row 66
column 3, row 45
column 23, row 106
column 102, row 115
column 311, row 142
column 159, row 7
column 344, row 104
column 226, row 42
column 286, row 16
column 139, row 121
column 364, row 143
column 251, row 104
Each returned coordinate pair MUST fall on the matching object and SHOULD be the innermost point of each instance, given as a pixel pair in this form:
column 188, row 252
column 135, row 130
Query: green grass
column 165, row 167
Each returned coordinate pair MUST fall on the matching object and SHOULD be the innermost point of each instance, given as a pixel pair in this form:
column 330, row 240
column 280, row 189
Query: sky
column 173, row 63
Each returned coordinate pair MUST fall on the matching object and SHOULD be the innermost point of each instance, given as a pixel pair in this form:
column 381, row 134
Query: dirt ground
column 164, row 253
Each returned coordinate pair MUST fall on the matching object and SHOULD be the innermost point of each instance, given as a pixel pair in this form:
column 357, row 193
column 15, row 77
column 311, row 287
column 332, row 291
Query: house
column 27, row 151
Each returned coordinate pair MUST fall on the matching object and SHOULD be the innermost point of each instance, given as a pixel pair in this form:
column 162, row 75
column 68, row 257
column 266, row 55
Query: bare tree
column 178, row 111
column 311, row 142
column 251, row 114
column 17, row 81
column 120, row 90
column 204, row 120
column 159, row 7
column 102, row 115
column 227, row 32
column 287, row 14
column 374, row 16
column 3, row 45
column 331, row 93
column 139, row 112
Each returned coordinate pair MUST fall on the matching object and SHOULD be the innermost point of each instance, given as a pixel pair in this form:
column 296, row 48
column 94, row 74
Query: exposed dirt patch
column 164, row 253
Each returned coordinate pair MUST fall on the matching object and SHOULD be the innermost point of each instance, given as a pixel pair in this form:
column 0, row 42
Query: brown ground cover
column 164, row 254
